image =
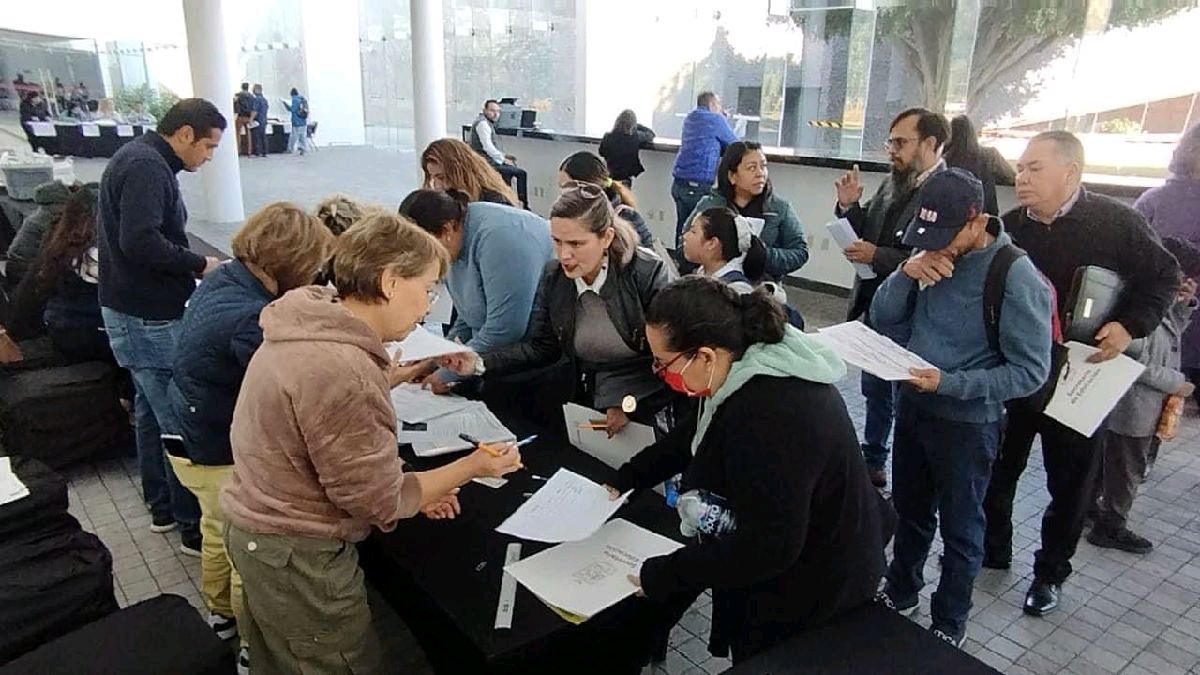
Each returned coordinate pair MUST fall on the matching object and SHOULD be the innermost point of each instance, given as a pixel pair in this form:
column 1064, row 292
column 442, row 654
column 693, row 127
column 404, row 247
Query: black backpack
column 243, row 104
column 303, row 110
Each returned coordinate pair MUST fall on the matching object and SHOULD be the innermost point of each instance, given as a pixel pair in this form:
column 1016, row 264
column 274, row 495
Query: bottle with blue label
column 704, row 513
column 671, row 489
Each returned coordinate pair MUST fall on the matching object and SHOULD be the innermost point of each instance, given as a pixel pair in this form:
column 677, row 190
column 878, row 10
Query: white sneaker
column 243, row 662
column 224, row 626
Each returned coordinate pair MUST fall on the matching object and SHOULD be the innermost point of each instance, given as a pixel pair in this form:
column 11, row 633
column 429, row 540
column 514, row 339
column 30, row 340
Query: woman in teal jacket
column 744, row 186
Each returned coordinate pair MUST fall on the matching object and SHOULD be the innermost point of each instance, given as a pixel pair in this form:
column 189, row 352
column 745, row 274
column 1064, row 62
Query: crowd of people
column 267, row 436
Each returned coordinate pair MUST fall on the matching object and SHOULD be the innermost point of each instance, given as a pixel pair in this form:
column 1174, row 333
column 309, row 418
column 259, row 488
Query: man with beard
column 914, row 144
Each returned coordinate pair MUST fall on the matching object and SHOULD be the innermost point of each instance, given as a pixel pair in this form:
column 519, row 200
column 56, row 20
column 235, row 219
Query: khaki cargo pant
column 306, row 606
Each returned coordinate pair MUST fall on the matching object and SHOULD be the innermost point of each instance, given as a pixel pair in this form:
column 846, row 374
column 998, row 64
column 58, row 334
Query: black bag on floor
column 63, row 415
column 160, row 635
column 51, row 583
column 44, row 509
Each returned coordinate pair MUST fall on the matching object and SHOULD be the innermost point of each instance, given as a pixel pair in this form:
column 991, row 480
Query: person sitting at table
column 744, row 186
column 33, row 109
column 723, row 246
column 786, row 528
column 497, row 254
column 277, row 250
column 589, row 307
column 585, row 167
column 450, row 164
column 314, row 451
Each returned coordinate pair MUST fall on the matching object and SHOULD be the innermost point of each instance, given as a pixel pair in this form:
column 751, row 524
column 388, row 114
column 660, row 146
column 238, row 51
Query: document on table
column 1087, row 392
column 90, row 130
column 415, row 404
column 440, row 435
column 126, row 130
column 613, row 451
column 568, row 507
column 857, row 344
column 11, row 487
column 583, row 578
column 843, row 233
column 422, row 344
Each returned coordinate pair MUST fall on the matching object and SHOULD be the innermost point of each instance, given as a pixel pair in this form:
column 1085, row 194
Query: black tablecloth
column 429, row 571
column 870, row 640
column 71, row 142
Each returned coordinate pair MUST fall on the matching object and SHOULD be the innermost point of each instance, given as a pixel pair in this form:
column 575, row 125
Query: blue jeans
column 880, row 395
column 147, row 350
column 298, row 138
column 687, row 194
column 940, row 474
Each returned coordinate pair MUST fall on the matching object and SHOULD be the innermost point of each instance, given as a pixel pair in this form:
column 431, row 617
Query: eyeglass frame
column 900, row 141
column 658, row 367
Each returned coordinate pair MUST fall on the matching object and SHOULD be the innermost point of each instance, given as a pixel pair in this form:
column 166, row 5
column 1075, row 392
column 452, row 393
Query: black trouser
column 510, row 171
column 1072, row 462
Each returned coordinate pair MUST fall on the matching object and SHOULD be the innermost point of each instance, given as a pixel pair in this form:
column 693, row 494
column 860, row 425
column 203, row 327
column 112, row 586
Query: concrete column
column 334, row 68
column 429, row 72
column 209, row 60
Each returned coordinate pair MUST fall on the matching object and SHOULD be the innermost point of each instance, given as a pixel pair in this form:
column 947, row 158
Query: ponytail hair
column 586, row 167
column 721, row 222
column 587, row 204
column 432, row 209
column 698, row 311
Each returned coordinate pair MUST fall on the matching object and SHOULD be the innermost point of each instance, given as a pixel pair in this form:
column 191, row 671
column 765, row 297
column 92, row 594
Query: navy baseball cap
column 948, row 200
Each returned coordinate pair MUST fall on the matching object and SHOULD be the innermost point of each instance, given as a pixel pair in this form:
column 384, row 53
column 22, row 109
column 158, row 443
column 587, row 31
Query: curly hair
column 465, row 170
column 337, row 212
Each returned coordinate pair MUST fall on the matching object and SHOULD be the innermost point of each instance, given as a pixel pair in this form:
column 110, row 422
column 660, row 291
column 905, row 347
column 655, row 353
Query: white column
column 334, row 68
column 209, row 60
column 429, row 72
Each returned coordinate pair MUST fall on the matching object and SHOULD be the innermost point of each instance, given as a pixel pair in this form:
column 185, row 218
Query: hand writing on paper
column 1112, row 340
column 861, row 252
column 925, row 380
column 496, row 460
column 637, row 581
column 928, row 267
column 444, row 507
column 849, row 188
column 616, row 421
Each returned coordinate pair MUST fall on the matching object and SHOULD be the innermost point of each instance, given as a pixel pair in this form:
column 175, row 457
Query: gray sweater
column 1138, row 412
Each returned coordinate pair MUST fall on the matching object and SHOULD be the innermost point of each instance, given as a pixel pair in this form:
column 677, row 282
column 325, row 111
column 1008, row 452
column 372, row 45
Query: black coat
column 809, row 541
column 620, row 151
column 882, row 222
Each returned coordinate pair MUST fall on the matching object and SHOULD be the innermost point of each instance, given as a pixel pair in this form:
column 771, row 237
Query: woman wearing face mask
column 743, row 185
column 787, row 529
column 314, row 449
column 450, row 164
column 590, row 307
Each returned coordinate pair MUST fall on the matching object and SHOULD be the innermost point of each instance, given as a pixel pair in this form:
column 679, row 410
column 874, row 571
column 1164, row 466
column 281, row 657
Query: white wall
column 808, row 189
column 334, row 70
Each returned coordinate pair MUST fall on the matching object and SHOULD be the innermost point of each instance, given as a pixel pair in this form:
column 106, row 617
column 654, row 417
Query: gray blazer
column 1138, row 412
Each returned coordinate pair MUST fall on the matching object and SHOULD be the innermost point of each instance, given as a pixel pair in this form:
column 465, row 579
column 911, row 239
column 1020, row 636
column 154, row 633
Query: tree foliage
column 157, row 102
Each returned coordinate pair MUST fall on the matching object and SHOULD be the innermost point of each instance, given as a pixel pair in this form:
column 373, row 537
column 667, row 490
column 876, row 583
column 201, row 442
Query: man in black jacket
column 914, row 144
column 147, row 275
column 1064, row 227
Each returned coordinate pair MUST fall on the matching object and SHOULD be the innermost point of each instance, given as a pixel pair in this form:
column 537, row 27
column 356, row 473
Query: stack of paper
column 432, row 423
column 843, row 233
column 613, row 451
column 860, row 346
column 11, row 487
column 581, row 579
column 568, row 507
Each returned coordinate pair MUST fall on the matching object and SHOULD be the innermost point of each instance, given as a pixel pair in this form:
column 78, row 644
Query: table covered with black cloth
column 69, row 140
column 443, row 577
column 869, row 640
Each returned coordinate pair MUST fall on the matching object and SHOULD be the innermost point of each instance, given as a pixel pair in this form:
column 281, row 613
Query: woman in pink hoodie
column 314, row 445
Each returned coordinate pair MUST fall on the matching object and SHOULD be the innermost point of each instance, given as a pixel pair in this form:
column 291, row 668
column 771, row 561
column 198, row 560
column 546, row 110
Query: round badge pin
column 629, row 404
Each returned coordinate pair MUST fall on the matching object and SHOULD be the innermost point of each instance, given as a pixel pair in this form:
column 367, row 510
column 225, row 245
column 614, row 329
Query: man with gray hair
column 1063, row 227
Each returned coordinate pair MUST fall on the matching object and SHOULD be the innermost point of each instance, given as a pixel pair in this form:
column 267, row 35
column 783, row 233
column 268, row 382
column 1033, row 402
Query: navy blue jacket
column 219, row 334
column 146, row 269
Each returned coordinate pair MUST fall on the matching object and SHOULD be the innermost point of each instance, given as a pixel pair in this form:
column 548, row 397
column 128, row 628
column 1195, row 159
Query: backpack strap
column 993, row 291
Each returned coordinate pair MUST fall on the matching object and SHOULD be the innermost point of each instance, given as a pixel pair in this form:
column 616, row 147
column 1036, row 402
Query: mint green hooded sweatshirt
column 797, row 355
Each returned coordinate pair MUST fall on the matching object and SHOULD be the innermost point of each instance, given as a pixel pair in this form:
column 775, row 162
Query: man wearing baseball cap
column 948, row 417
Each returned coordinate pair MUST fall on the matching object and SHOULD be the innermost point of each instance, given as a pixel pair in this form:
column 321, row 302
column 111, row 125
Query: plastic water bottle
column 691, row 508
column 671, row 490
column 702, row 512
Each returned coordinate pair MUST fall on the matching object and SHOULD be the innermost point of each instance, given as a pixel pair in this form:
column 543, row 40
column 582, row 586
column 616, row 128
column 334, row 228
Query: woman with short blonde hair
column 314, row 444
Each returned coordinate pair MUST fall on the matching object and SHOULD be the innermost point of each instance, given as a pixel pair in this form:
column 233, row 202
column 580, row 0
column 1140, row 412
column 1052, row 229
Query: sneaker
column 243, row 662
column 160, row 524
column 878, row 477
column 224, row 626
column 957, row 641
column 191, row 546
column 1122, row 540
column 906, row 609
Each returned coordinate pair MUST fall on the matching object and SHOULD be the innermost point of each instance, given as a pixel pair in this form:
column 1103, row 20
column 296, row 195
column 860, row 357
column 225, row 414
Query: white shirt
column 487, row 138
column 582, row 286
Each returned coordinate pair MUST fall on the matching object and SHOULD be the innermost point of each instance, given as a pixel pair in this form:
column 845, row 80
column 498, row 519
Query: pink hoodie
column 314, row 431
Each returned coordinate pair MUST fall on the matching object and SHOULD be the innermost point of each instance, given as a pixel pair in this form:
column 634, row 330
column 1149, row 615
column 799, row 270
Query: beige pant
column 219, row 582
column 306, row 606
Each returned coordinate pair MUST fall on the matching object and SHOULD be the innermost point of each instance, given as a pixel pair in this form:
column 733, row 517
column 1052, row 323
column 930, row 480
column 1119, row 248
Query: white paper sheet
column 568, row 507
column 11, row 487
column 440, row 312
column 422, row 344
column 126, row 130
column 1087, row 392
column 414, row 404
column 43, row 129
column 613, row 451
column 859, row 345
column 586, row 577
column 843, row 233
column 440, row 436
column 90, row 130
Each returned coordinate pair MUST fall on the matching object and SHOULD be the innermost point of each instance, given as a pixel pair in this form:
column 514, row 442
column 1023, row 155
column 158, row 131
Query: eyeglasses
column 433, row 294
column 658, row 366
column 588, row 190
column 898, row 142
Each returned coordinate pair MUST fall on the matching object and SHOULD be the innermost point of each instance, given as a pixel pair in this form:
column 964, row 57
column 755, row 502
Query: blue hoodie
column 704, row 137
column 943, row 324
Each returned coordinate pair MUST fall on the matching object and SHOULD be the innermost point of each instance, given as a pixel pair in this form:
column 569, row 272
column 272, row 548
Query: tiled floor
column 1120, row 612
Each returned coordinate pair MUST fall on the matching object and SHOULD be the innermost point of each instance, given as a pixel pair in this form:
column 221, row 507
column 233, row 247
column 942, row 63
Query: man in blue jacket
column 948, row 417
column 705, row 134
column 261, row 106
